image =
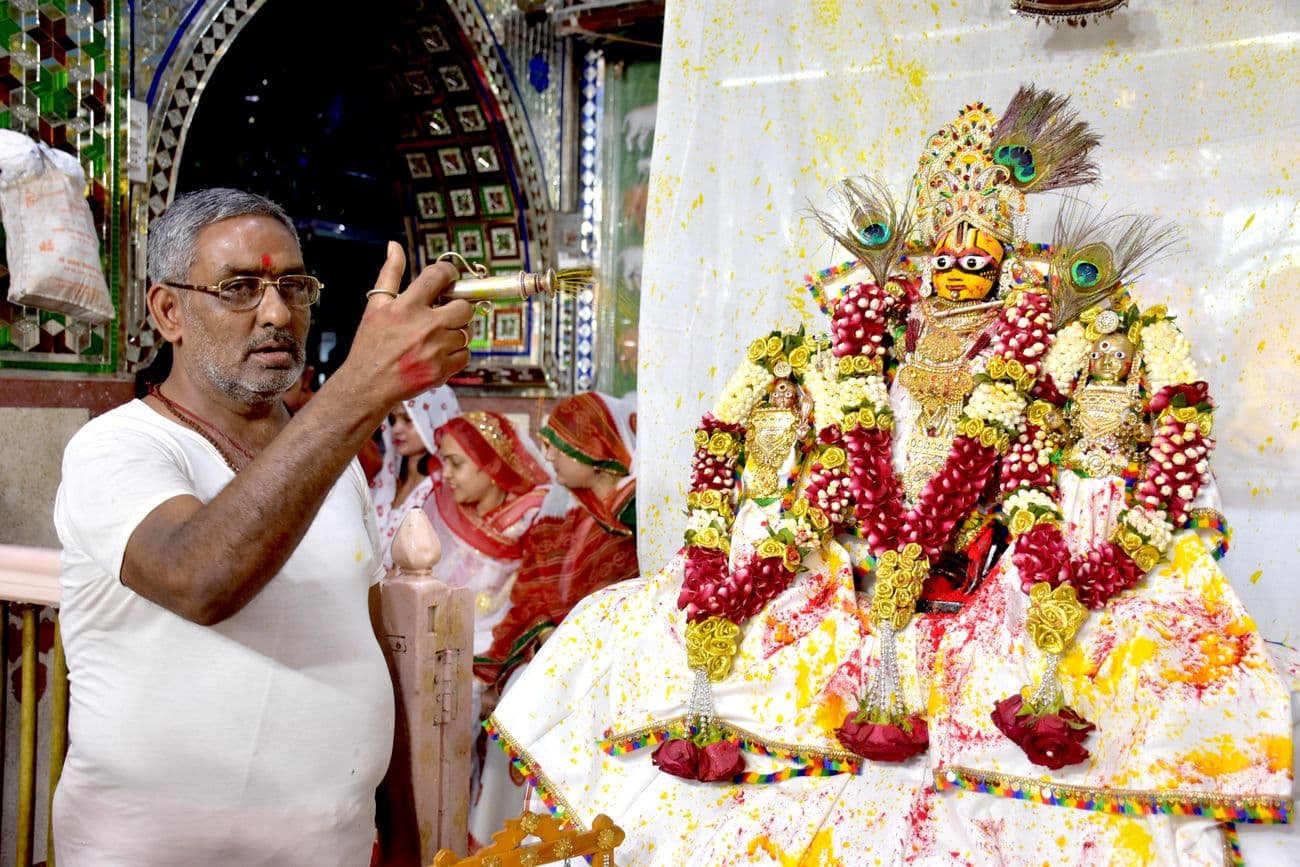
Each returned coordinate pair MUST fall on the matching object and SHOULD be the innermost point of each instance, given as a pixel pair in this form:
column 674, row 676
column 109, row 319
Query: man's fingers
column 389, row 279
column 431, row 283
column 454, row 314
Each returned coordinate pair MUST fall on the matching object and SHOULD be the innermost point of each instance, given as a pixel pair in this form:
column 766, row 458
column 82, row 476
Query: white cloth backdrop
column 763, row 105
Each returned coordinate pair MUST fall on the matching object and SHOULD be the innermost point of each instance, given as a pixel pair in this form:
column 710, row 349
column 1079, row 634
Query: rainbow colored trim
column 1255, row 809
column 808, row 761
column 815, row 283
column 1216, row 525
column 545, row 790
column 1232, row 856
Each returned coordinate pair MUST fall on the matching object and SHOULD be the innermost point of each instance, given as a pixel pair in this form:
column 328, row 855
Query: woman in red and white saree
column 585, row 537
column 491, row 490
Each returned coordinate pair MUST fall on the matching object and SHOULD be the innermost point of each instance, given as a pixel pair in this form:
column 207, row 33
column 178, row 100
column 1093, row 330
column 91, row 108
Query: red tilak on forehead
column 266, row 260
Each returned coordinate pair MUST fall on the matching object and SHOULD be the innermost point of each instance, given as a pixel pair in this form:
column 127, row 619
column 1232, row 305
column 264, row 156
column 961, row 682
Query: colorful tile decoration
column 484, row 158
column 178, row 43
column 469, row 242
column 418, row 165
column 433, row 39
column 63, row 81
column 418, row 83
column 479, row 331
column 496, row 200
column 470, row 118
column 504, row 242
column 435, row 244
column 436, row 123
column 452, row 161
column 429, row 205
column 508, row 326
column 453, row 78
column 462, row 203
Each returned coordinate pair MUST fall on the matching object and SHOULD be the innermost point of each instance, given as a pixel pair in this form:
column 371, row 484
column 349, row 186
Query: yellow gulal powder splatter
column 1133, row 837
column 816, row 660
column 1219, row 758
column 827, row 13
column 820, row 852
column 1126, row 657
column 1277, row 750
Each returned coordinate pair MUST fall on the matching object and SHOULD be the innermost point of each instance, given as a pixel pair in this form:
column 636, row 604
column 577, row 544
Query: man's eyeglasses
column 245, row 292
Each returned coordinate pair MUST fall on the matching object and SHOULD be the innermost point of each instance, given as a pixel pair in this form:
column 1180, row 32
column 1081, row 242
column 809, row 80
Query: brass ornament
column 771, row 432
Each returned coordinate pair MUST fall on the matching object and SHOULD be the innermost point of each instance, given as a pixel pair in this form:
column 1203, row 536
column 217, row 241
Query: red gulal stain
column 417, row 375
column 266, row 260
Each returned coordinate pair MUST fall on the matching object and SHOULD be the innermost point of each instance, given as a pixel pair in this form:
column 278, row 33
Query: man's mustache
column 278, row 341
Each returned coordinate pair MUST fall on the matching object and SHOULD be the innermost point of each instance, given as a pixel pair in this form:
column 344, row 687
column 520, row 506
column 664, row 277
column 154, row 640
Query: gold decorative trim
column 767, row 744
column 1262, row 809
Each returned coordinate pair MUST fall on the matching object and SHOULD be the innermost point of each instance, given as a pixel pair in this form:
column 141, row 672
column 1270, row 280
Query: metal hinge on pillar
column 445, row 665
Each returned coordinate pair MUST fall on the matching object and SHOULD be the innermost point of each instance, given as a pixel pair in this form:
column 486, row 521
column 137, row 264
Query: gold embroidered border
column 1264, row 809
column 766, row 743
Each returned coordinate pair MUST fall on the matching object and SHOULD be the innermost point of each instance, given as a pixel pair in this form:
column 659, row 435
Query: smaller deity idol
column 1107, row 425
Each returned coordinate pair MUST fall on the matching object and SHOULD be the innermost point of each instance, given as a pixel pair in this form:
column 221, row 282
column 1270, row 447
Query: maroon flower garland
column 905, row 542
column 1050, row 732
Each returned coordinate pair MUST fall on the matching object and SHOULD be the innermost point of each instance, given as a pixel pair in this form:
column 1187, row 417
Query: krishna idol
column 946, row 594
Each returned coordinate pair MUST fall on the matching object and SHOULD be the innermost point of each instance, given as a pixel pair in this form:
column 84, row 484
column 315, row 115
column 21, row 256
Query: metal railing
column 29, row 585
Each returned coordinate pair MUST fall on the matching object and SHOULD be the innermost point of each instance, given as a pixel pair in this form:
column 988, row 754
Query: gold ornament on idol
column 771, row 433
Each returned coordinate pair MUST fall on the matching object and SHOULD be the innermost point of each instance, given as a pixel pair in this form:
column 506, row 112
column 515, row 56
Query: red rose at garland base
column 1052, row 740
column 720, row 760
column 679, row 757
column 885, row 742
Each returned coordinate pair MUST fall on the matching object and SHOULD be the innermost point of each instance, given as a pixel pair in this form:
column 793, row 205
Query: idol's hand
column 408, row 342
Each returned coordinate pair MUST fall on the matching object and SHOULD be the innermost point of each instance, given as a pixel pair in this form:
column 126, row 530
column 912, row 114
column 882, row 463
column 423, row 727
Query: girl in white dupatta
column 410, row 468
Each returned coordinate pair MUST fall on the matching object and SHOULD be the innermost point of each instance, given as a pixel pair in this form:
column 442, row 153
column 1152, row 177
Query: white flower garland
column 998, row 402
column 1068, row 355
column 1028, row 497
column 833, row 394
column 743, row 392
column 1167, row 355
column 1152, row 524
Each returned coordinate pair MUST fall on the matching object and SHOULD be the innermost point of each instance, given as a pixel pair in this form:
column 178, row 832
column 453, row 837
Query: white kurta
column 257, row 741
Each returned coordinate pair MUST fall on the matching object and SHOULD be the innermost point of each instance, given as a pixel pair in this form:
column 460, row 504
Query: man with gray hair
column 230, row 702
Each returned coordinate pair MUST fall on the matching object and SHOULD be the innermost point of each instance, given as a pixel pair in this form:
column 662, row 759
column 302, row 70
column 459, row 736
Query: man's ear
column 167, row 311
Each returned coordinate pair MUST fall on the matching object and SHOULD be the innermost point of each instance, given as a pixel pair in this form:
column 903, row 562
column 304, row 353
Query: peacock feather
column 1041, row 143
column 867, row 221
column 1095, row 255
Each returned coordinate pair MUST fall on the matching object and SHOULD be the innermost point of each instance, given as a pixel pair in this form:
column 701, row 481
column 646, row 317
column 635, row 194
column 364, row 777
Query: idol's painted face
column 966, row 264
column 1111, row 359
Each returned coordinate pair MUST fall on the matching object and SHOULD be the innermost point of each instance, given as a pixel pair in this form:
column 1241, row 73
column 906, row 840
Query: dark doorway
column 296, row 112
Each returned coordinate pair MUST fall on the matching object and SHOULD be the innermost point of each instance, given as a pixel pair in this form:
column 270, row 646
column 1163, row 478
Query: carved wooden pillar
column 430, row 631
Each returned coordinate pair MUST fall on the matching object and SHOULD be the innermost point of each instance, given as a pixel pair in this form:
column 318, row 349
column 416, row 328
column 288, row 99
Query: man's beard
column 272, row 382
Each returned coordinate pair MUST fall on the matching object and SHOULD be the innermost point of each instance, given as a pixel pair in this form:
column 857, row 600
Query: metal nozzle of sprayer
column 475, row 285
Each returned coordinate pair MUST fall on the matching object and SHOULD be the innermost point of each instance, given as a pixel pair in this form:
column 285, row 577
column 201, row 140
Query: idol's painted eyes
column 973, row 262
column 970, row 262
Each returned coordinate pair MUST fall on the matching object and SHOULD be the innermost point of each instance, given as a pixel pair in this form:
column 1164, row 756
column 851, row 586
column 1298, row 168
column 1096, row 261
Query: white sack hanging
column 51, row 245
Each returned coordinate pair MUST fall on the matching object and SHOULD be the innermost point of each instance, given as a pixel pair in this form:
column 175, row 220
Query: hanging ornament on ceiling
column 1076, row 13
